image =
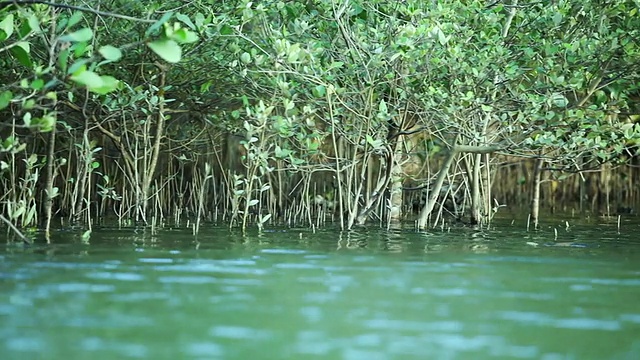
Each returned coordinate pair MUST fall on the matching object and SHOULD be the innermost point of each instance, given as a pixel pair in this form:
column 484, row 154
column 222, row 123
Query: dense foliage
column 298, row 110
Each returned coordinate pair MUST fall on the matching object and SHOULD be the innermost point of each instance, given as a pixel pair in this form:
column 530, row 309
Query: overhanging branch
column 4, row 4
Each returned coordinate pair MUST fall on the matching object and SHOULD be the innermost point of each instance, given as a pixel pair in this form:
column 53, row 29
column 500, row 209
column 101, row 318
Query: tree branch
column 15, row 230
column 4, row 4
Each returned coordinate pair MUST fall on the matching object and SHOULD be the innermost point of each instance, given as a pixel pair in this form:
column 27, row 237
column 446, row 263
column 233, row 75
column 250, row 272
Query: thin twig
column 15, row 230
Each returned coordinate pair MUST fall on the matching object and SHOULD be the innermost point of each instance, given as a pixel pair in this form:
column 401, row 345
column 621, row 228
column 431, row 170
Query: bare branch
column 15, row 230
column 4, row 4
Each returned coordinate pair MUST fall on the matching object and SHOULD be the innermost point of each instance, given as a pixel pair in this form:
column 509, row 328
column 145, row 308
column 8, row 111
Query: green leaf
column 158, row 23
column 294, row 53
column 88, row 78
column 184, row 36
column 79, row 49
column 34, row 24
column 84, row 34
column 5, row 99
column 282, row 153
column 47, row 123
column 382, row 107
column 109, row 84
column 226, row 30
column 18, row 212
column 74, row 19
column 167, row 49
column 245, row 57
column 30, row 215
column 29, row 104
column 253, row 202
column 37, row 84
column 63, row 59
column 54, row 192
column 442, row 38
column 26, row 118
column 78, row 66
column 319, row 91
column 6, row 25
column 21, row 52
column 200, row 19
column 110, row 53
column 185, row 19
column 265, row 218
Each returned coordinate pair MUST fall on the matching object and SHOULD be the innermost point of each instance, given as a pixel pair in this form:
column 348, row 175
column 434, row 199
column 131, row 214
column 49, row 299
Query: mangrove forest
column 257, row 114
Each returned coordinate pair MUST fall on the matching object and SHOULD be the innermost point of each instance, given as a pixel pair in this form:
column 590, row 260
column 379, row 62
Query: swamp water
column 293, row 294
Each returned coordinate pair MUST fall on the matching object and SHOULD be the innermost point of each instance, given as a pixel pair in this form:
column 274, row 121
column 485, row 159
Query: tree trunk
column 435, row 191
column 476, row 204
column 48, row 204
column 395, row 196
column 535, row 196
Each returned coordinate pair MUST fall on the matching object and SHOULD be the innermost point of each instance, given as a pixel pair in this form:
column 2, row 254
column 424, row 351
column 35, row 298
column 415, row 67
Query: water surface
column 295, row 294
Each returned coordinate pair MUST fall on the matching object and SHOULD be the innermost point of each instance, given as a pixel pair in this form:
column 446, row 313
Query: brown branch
column 4, row 4
column 477, row 149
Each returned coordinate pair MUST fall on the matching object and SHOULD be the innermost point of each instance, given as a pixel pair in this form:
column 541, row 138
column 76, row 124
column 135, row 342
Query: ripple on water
column 6, row 309
column 312, row 314
column 540, row 319
column 314, row 343
column 595, row 281
column 239, row 332
column 210, row 267
column 216, row 269
column 140, row 296
column 316, row 256
column 446, row 292
column 81, row 288
column 360, row 354
column 623, row 282
column 283, row 251
column 74, row 265
column 633, row 318
column 187, row 279
column 455, row 344
column 401, row 325
column 156, row 260
column 296, row 266
column 119, row 276
column 30, row 344
column 236, row 262
column 205, row 349
column 94, row 344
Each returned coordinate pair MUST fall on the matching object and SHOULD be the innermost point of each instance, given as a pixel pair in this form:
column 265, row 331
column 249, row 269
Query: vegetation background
column 298, row 112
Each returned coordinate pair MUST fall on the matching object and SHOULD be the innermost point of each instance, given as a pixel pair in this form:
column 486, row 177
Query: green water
column 294, row 294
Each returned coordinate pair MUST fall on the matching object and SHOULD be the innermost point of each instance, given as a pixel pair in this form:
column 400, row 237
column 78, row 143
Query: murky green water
column 293, row 294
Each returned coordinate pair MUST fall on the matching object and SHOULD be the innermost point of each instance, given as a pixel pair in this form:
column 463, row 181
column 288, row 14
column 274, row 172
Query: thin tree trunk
column 486, row 180
column 476, row 204
column 435, row 191
column 48, row 204
column 155, row 150
column 535, row 196
column 395, row 197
